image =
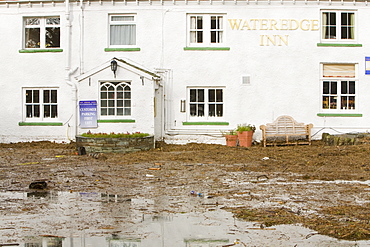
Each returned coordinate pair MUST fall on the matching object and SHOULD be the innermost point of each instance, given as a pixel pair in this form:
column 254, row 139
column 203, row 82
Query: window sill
column 338, row 45
column 40, row 124
column 122, row 49
column 116, row 121
column 205, row 123
column 39, row 50
column 206, row 48
column 339, row 114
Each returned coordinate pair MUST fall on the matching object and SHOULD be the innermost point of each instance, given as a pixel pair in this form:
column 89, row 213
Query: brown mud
column 325, row 188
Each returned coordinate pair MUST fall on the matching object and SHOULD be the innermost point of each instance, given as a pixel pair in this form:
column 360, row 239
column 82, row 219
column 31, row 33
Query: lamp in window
column 113, row 66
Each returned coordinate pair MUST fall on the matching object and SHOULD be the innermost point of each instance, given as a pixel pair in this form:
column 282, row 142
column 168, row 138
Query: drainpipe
column 68, row 71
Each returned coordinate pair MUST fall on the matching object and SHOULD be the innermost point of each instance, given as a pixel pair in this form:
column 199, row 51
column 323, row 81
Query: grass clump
column 114, row 135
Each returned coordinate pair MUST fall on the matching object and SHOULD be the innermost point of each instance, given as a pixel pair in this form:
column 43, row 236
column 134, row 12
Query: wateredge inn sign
column 274, row 24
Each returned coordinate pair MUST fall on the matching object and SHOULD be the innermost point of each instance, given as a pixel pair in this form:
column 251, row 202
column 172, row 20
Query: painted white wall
column 285, row 80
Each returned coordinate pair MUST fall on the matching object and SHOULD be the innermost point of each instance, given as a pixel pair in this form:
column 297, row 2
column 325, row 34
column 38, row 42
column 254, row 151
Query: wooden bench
column 285, row 130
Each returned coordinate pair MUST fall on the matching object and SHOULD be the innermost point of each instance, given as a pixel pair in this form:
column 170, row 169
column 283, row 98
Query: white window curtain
column 123, row 35
column 324, row 24
column 339, row 70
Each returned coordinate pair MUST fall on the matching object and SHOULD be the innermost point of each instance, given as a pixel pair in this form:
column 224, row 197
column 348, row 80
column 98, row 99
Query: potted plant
column 231, row 138
column 245, row 134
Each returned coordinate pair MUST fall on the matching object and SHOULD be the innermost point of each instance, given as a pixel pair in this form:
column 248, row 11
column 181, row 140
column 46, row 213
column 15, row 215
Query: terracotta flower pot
column 245, row 138
column 231, row 140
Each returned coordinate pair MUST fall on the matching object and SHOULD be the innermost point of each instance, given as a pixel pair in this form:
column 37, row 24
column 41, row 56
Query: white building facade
column 186, row 70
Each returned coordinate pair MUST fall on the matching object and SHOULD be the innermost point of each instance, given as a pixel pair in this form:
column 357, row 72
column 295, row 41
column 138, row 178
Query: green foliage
column 229, row 132
column 114, row 135
column 245, row 127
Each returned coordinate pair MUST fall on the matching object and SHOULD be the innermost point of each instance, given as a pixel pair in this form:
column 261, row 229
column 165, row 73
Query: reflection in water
column 71, row 219
column 45, row 242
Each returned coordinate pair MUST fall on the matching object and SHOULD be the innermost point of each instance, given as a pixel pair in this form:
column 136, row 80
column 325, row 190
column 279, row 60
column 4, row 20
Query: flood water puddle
column 74, row 219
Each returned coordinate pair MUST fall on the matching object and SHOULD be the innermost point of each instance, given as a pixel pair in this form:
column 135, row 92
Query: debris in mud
column 38, row 185
column 302, row 179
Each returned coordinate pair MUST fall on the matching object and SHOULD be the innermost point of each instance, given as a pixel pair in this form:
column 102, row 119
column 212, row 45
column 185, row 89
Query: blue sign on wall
column 367, row 65
column 88, row 114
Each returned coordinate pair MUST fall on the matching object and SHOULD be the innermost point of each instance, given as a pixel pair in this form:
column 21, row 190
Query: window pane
column 333, row 102
column 193, row 95
column 54, row 96
column 28, row 96
column 333, row 87
column 199, row 22
column 111, row 111
column 325, row 102
column 103, row 95
column 122, row 18
column 36, row 96
column 54, row 111
column 199, row 37
column 343, row 102
column 200, row 110
column 36, row 111
column 119, row 111
column 127, row 95
column 46, row 110
column 212, row 110
column 32, row 21
column 344, row 87
column 127, row 103
column 104, row 103
column 120, row 95
column 352, row 87
column 351, row 102
column 111, row 95
column 193, row 110
column 211, row 95
column 32, row 38
column 119, row 103
column 200, row 97
column 111, row 103
column 46, row 96
column 104, row 112
column 52, row 37
column 29, row 111
column 214, row 36
column 219, row 109
column 53, row 21
column 127, row 111
column 219, row 95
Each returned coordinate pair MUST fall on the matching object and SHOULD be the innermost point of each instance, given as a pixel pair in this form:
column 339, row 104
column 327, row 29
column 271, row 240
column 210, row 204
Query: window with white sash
column 115, row 99
column 122, row 30
column 40, row 104
column 338, row 26
column 339, row 87
column 205, row 29
column 42, row 32
column 206, row 103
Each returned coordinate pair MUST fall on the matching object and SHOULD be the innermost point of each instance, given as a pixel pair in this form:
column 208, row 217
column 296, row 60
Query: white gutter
column 82, row 36
column 68, row 71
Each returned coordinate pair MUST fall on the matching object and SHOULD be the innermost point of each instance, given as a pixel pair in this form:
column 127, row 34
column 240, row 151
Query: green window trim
column 39, row 50
column 40, row 124
column 116, row 121
column 338, row 45
column 205, row 123
column 122, row 49
column 206, row 48
column 339, row 114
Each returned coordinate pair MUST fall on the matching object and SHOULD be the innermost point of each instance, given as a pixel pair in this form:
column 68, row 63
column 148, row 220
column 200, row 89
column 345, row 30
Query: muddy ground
column 325, row 188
